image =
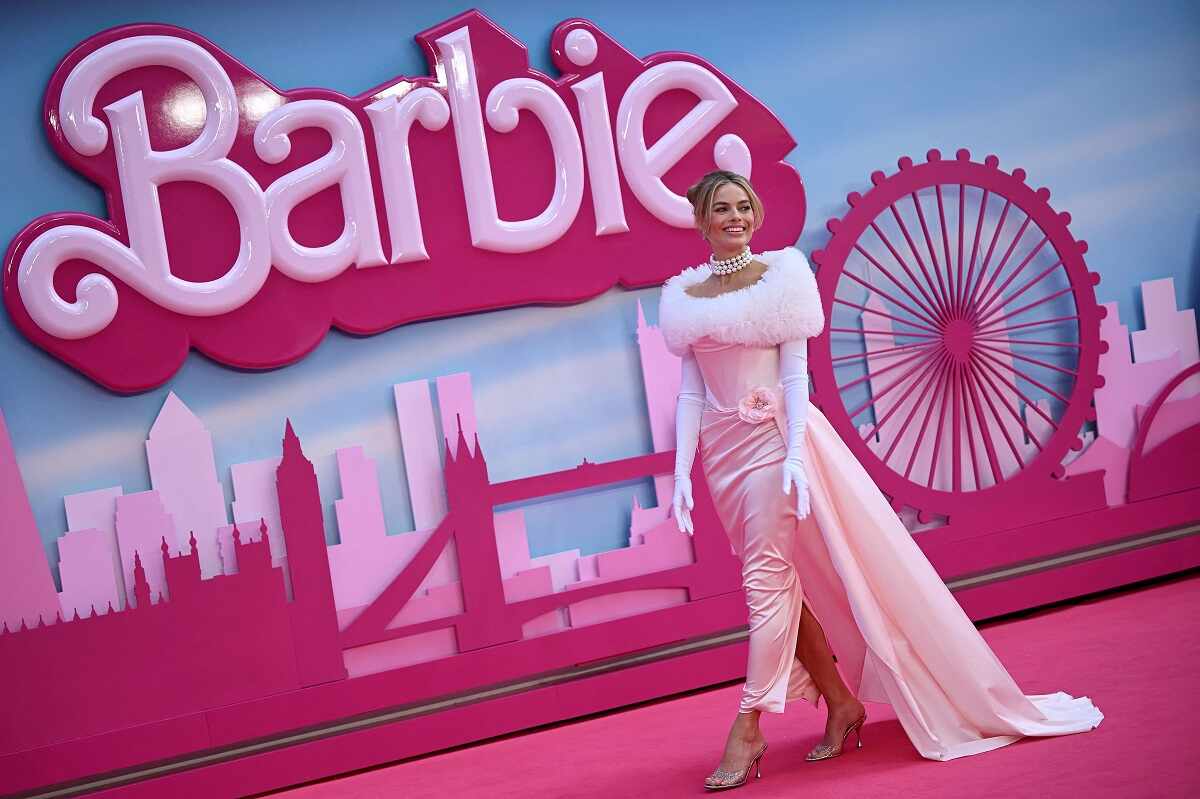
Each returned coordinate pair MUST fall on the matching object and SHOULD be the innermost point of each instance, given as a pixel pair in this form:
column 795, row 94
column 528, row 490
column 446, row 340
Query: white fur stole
column 782, row 306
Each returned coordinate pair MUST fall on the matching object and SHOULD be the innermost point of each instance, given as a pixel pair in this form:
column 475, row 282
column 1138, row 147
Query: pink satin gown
column 899, row 635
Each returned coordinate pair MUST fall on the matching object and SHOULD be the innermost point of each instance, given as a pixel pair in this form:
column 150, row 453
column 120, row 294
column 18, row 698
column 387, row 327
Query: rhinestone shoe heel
column 825, row 752
column 722, row 780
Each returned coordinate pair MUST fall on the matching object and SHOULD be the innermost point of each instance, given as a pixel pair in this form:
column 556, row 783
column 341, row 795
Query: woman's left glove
column 793, row 376
column 793, row 475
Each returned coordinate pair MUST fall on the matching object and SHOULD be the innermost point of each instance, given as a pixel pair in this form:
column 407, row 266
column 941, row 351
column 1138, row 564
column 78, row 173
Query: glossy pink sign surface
column 245, row 221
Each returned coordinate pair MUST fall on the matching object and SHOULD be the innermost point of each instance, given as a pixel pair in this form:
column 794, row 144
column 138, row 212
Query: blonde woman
column 845, row 577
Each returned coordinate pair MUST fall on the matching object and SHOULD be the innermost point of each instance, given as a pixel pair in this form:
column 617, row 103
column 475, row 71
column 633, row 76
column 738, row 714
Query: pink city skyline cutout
column 376, row 604
column 108, row 524
column 345, row 614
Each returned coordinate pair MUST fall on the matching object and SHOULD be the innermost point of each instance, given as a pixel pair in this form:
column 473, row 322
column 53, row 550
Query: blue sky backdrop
column 1098, row 101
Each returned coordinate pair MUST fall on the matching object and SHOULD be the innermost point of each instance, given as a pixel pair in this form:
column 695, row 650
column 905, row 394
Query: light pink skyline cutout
column 143, row 525
column 368, row 558
column 1136, row 368
column 179, row 451
column 422, row 455
column 96, row 510
column 85, row 584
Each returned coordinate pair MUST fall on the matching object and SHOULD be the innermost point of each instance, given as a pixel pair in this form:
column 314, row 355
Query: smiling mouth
column 738, row 229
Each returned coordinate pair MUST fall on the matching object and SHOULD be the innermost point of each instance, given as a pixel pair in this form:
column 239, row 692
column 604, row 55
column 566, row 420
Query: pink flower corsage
column 758, row 406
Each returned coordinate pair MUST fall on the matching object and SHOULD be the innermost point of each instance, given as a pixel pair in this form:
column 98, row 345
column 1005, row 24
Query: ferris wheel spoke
column 986, row 323
column 987, row 398
column 987, row 304
column 912, row 248
column 928, row 361
column 1028, row 402
column 865, row 309
column 1025, row 377
column 931, row 303
column 956, row 433
column 844, row 360
column 916, row 403
column 888, row 297
column 988, row 311
column 930, row 401
column 975, row 250
column 923, row 380
column 1013, row 411
column 966, row 415
column 945, row 245
column 961, row 210
column 929, row 311
column 992, row 308
column 933, row 259
column 990, row 329
column 1063, row 344
column 987, row 259
column 1033, row 361
column 984, row 429
column 1000, row 267
column 915, row 356
column 862, row 331
column 941, row 425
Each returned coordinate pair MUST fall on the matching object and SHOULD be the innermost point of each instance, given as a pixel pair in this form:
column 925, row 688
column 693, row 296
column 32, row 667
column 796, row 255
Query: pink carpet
column 1136, row 654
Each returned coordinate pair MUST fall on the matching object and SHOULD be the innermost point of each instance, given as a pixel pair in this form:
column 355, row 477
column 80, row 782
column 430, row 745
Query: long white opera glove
column 793, row 376
column 689, row 408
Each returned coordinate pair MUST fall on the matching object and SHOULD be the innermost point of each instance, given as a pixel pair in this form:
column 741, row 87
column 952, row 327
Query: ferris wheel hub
column 958, row 338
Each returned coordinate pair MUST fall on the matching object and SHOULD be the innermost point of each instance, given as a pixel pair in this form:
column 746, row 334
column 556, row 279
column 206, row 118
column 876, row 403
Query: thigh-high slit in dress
column 899, row 635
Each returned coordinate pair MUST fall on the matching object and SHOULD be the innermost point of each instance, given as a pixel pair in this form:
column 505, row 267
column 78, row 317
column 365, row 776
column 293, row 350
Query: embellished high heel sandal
column 824, row 751
column 722, row 780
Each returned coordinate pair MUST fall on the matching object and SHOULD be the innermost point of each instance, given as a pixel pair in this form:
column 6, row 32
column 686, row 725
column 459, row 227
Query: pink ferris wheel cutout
column 963, row 335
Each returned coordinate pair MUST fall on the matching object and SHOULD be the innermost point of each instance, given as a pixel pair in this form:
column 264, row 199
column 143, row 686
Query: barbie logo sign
column 246, row 221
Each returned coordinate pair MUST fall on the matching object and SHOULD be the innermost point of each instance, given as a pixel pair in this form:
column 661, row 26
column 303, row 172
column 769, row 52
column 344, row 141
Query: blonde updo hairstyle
column 701, row 197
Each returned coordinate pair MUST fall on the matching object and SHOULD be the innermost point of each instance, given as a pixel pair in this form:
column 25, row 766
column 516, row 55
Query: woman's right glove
column 689, row 408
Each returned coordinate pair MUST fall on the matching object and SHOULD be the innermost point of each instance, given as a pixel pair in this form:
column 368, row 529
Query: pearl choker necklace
column 730, row 265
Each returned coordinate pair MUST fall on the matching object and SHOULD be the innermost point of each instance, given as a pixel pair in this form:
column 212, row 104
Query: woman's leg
column 744, row 741
column 812, row 649
column 774, row 599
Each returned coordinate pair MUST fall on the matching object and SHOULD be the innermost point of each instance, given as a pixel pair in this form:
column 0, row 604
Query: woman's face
column 730, row 220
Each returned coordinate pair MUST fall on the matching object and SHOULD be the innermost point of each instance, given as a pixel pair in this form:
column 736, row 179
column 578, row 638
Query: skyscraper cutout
column 183, row 471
